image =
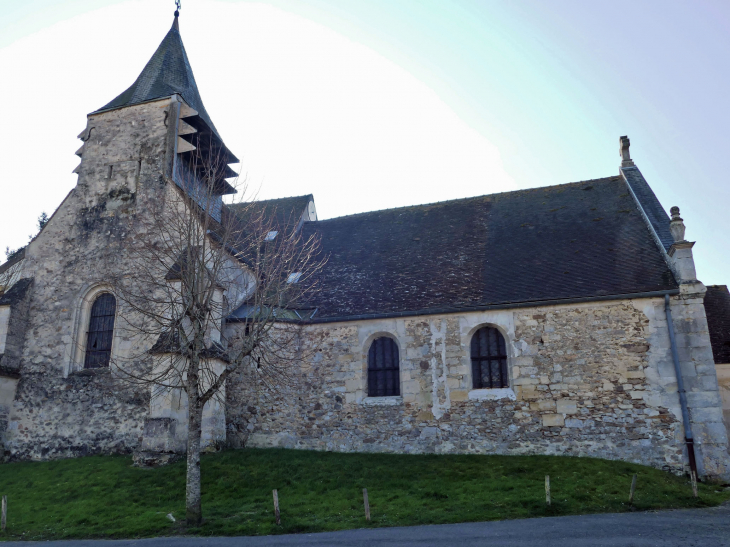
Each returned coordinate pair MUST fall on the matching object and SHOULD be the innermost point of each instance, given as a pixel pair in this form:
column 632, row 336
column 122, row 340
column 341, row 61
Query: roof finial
column 626, row 160
column 676, row 226
column 175, row 24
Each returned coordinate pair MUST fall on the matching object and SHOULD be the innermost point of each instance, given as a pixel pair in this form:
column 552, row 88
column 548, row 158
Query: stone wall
column 586, row 379
column 60, row 409
column 8, row 384
column 4, row 324
column 699, row 374
column 723, row 377
column 14, row 321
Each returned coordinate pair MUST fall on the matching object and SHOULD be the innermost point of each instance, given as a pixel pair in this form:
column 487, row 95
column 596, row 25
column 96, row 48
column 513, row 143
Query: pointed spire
column 168, row 72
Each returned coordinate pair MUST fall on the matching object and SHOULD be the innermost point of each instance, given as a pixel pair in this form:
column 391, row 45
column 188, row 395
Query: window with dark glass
column 488, row 359
column 383, row 368
column 101, row 330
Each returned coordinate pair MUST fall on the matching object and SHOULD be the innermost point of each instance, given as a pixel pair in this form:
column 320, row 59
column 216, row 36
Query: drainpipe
column 688, row 438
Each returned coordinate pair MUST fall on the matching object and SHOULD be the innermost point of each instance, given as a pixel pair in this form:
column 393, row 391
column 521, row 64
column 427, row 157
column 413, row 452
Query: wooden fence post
column 367, row 503
column 4, row 516
column 276, row 508
column 547, row 489
column 633, row 488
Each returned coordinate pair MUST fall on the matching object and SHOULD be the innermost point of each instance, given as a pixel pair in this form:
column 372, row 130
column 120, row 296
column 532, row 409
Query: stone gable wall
column 587, row 379
column 59, row 409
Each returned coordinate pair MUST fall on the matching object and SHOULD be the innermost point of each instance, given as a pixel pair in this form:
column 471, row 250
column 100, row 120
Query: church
column 559, row 320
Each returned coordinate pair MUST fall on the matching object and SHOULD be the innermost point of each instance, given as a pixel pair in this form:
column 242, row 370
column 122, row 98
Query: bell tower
column 149, row 131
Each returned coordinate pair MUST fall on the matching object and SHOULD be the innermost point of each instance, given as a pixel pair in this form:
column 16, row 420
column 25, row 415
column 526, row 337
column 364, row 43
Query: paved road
column 685, row 528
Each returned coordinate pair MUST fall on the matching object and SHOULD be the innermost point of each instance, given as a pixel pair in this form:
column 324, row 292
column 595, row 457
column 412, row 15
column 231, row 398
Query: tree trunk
column 193, row 512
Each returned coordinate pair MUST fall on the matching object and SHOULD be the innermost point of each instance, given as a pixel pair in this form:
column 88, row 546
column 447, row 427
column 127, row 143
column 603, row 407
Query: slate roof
column 250, row 312
column 284, row 212
column 717, row 308
column 7, row 372
column 14, row 258
column 166, row 73
column 654, row 211
column 175, row 273
column 169, row 343
column 16, row 293
column 577, row 240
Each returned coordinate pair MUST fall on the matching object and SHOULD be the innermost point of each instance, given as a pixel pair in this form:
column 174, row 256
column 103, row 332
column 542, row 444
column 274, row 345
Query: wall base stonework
column 587, row 379
column 8, row 386
column 74, row 416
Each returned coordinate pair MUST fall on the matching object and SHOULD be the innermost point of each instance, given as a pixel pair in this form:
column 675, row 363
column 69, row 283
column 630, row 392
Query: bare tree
column 191, row 262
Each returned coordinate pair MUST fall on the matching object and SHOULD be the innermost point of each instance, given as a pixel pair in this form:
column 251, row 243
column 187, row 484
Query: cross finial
column 175, row 24
column 626, row 160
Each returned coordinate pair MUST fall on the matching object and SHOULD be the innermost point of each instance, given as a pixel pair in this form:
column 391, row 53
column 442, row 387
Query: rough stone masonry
column 587, row 379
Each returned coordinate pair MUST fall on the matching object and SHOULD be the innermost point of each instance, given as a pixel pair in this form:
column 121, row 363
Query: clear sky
column 370, row 104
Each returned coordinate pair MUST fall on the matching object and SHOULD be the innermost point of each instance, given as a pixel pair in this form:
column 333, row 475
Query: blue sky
column 440, row 99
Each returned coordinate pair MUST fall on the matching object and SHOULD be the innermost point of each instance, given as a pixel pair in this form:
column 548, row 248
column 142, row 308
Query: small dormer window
column 271, row 235
column 294, row 278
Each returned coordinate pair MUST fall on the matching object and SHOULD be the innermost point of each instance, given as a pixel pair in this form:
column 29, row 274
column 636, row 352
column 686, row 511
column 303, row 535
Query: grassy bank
column 105, row 496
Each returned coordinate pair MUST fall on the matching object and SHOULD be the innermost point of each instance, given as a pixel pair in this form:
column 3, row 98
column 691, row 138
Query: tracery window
column 383, row 368
column 489, row 359
column 101, row 331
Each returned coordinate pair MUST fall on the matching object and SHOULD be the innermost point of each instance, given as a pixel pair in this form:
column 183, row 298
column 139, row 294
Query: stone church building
column 564, row 319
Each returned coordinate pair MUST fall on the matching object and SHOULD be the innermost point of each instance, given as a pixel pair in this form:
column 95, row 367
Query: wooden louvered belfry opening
column 383, row 368
column 489, row 359
column 101, row 331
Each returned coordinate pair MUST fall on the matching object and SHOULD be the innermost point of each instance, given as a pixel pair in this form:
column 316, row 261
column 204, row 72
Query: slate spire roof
column 166, row 73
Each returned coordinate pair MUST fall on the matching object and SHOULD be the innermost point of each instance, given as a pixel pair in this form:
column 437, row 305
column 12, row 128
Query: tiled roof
column 578, row 240
column 717, row 308
column 166, row 73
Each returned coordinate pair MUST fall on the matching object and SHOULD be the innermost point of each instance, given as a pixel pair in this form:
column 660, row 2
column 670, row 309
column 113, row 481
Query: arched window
column 488, row 359
column 383, row 369
column 101, row 330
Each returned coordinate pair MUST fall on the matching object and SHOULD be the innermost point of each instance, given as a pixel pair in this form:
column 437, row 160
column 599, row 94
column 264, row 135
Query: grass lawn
column 104, row 496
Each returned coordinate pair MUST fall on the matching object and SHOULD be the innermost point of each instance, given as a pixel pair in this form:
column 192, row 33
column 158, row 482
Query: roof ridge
column 247, row 203
column 449, row 201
